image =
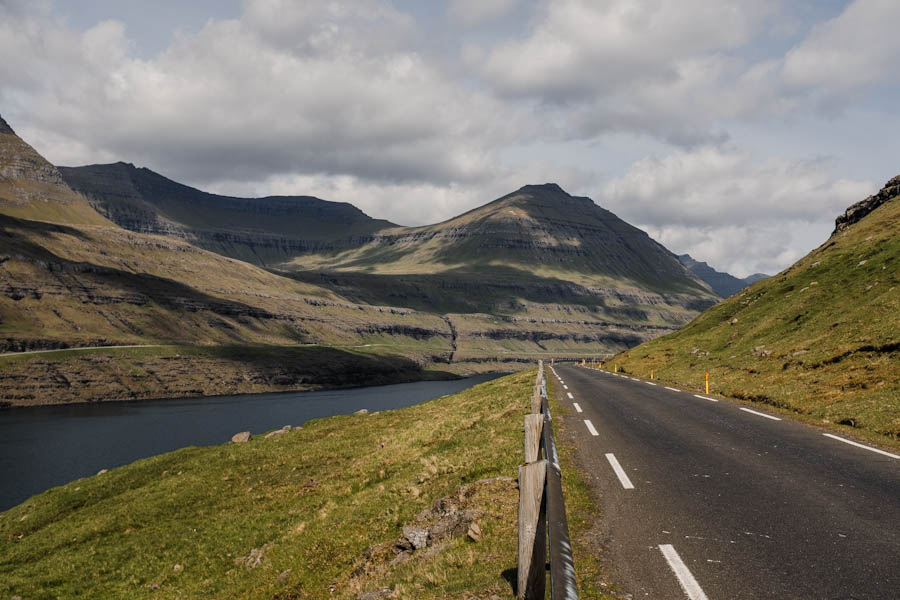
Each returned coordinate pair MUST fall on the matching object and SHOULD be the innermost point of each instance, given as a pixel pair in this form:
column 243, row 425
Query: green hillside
column 314, row 512
column 821, row 339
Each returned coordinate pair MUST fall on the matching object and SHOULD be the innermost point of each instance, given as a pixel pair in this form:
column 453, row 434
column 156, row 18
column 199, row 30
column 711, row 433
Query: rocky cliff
column 857, row 211
column 723, row 284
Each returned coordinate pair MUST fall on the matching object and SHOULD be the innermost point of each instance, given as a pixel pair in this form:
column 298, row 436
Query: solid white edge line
column 569, row 394
column 673, row 389
column 682, row 573
column 705, row 398
column 759, row 414
column 620, row 472
column 590, row 427
column 577, row 408
column 650, row 382
column 863, row 446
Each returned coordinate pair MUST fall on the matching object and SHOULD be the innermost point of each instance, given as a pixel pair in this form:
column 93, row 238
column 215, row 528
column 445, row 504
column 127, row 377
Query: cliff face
column 264, row 231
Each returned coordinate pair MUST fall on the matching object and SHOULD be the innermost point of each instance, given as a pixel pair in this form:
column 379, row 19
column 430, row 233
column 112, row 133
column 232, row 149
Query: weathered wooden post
column 532, row 576
column 536, row 391
column 533, row 427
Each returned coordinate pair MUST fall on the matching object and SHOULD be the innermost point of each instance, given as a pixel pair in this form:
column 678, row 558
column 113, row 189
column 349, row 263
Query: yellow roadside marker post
column 707, row 382
column 651, row 374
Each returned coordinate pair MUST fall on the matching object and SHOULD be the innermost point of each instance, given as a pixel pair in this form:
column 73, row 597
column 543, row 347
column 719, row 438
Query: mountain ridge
column 724, row 284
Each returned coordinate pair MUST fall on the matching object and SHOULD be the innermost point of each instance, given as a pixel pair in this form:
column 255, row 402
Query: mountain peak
column 5, row 128
column 857, row 211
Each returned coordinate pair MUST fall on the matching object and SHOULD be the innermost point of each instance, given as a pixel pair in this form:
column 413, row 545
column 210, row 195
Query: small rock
column 177, row 568
column 287, row 428
column 695, row 350
column 861, row 263
column 417, row 536
column 153, row 586
column 283, row 575
column 272, row 434
column 812, row 283
column 733, row 321
column 362, row 411
column 102, row 471
column 252, row 560
column 474, row 532
column 243, row 436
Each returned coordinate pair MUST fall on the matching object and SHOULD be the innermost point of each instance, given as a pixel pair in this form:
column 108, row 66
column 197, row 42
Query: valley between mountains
column 231, row 295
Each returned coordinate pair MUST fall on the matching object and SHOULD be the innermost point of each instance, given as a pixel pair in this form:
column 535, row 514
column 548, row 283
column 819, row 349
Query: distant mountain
column 723, row 284
column 821, row 338
column 263, row 231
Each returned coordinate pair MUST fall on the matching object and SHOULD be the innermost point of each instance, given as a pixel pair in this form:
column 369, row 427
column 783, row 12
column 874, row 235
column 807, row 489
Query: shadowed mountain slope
column 262, row 231
column 723, row 284
column 821, row 338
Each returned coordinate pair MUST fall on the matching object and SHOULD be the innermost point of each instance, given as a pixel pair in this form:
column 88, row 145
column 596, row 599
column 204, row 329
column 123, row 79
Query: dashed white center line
column 759, row 414
column 685, row 578
column 673, row 389
column 620, row 472
column 590, row 427
column 577, row 408
column 864, row 447
column 569, row 394
column 705, row 398
column 565, row 387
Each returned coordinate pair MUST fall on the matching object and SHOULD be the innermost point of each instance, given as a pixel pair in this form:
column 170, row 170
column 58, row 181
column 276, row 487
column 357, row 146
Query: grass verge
column 311, row 513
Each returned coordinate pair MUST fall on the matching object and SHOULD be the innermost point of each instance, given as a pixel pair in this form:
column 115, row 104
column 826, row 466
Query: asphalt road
column 703, row 499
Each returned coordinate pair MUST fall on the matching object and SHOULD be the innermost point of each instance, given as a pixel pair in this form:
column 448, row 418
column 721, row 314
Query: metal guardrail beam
column 562, row 566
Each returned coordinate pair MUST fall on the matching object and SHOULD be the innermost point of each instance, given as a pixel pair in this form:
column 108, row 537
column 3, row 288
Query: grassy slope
column 318, row 497
column 819, row 339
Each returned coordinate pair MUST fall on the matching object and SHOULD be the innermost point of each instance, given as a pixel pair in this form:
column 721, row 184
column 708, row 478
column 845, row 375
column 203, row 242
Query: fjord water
column 45, row 446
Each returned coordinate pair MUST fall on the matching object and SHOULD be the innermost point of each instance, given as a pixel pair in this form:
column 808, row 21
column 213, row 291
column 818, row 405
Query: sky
column 735, row 131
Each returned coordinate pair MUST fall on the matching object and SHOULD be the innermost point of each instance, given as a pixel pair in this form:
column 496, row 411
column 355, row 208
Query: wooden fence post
column 533, row 426
column 532, row 576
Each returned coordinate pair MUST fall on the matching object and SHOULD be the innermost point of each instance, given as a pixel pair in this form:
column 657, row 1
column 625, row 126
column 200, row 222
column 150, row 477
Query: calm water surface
column 45, row 446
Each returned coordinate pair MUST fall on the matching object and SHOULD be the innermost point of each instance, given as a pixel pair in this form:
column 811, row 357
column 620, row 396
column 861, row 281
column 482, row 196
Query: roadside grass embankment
column 818, row 341
column 314, row 512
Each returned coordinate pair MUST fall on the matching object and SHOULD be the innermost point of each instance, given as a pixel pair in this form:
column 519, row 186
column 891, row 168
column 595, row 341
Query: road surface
column 705, row 498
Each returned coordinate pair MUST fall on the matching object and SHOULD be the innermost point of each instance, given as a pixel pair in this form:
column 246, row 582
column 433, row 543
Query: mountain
column 723, row 284
column 263, row 231
column 821, row 338
column 342, row 298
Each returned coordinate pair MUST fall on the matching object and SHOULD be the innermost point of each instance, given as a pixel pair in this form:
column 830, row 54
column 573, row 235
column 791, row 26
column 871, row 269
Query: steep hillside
column 822, row 338
column 723, row 284
column 32, row 188
column 527, row 254
column 263, row 231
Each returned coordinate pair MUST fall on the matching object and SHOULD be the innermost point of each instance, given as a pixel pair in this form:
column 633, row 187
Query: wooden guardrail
column 542, row 511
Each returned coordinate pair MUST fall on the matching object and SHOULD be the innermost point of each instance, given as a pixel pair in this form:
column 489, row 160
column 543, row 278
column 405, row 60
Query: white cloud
column 740, row 214
column 476, row 12
column 854, row 51
column 316, row 87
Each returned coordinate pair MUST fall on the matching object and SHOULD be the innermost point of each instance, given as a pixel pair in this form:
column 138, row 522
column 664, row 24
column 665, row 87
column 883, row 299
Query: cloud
column 854, row 51
column 311, row 88
column 722, row 205
column 477, row 12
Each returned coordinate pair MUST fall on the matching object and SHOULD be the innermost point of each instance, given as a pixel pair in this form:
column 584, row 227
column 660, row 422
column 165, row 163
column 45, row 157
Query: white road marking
column 673, row 389
column 852, row 443
column 650, row 382
column 759, row 414
column 590, row 427
column 685, row 578
column 577, row 408
column 565, row 387
column 705, row 398
column 569, row 394
column 620, row 472
column 635, row 379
